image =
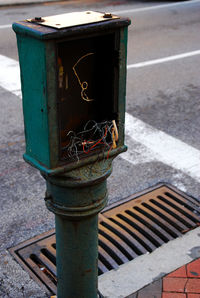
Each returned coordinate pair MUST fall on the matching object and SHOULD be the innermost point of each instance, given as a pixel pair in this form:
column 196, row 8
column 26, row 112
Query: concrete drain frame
column 134, row 226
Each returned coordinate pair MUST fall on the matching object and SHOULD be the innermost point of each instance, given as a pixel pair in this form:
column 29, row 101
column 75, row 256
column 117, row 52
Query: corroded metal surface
column 137, row 225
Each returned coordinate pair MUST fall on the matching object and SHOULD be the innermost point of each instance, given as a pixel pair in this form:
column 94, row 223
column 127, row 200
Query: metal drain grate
column 127, row 229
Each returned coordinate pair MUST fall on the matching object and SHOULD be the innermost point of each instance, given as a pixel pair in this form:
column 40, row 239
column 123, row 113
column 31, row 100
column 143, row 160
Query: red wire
column 98, row 142
column 109, row 151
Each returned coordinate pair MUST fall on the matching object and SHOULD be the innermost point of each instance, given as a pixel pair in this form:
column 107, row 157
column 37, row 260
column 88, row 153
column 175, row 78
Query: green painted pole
column 76, row 188
column 76, row 205
column 77, row 257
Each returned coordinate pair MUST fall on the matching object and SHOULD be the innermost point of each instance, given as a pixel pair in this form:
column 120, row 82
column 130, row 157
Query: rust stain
column 88, row 271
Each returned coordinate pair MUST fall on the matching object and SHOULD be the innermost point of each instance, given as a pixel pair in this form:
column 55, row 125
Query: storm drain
column 127, row 229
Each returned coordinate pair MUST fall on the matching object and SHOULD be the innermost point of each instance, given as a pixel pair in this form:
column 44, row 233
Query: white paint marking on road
column 137, row 153
column 5, row 26
column 158, row 145
column 164, row 60
column 155, row 7
column 166, row 148
column 10, row 75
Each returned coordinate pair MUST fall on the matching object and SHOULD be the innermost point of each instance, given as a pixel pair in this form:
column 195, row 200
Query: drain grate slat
column 181, row 208
column 101, row 267
column 122, row 234
column 47, row 261
column 166, row 216
column 119, row 256
column 178, row 210
column 106, row 259
column 121, row 241
column 171, row 211
column 144, row 230
column 53, row 246
column 160, row 221
column 47, row 252
column 177, row 215
column 41, row 272
column 150, row 224
column 135, row 226
column 134, row 234
column 157, row 222
column 110, row 252
column 119, row 245
column 190, row 203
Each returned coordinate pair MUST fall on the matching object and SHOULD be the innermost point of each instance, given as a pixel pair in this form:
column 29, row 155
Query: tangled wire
column 95, row 135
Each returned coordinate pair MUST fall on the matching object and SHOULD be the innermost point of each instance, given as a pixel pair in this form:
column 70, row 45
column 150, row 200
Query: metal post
column 76, row 243
column 76, row 205
column 53, row 109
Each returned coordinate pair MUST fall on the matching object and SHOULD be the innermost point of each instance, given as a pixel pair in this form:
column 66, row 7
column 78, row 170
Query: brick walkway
column 182, row 283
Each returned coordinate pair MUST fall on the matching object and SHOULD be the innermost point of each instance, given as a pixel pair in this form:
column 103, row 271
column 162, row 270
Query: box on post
column 73, row 74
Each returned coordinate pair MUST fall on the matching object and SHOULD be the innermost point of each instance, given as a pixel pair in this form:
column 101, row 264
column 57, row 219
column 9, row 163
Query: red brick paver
column 174, row 295
column 183, row 282
column 193, row 286
column 181, row 272
column 193, row 269
column 174, row 284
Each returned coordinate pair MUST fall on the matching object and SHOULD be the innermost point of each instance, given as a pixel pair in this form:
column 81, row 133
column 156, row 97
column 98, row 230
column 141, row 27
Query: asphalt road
column 163, row 105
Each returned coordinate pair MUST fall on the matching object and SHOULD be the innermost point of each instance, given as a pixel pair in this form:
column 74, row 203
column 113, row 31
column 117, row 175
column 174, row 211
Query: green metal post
column 76, row 245
column 76, row 205
column 53, row 106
